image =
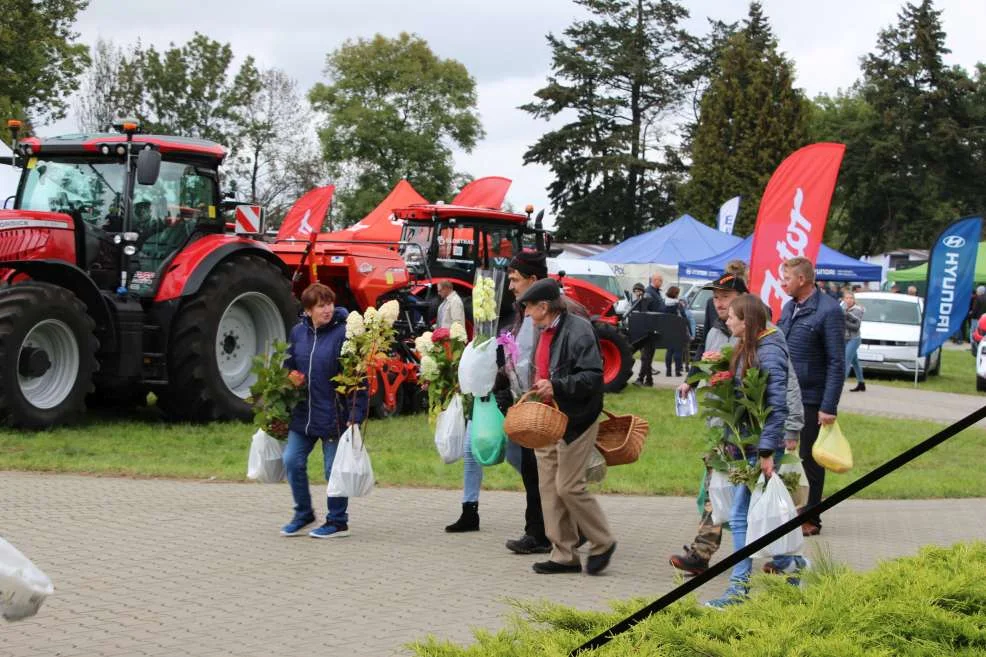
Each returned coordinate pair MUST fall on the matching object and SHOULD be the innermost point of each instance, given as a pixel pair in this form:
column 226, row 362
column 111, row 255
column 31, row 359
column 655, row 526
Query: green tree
column 925, row 161
column 39, row 60
column 751, row 118
column 393, row 109
column 622, row 73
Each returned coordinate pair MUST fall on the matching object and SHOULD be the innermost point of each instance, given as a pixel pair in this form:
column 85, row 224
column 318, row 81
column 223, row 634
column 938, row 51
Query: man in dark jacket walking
column 815, row 329
column 651, row 302
column 569, row 370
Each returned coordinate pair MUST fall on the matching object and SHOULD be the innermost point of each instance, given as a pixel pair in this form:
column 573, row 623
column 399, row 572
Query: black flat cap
column 530, row 263
column 545, row 289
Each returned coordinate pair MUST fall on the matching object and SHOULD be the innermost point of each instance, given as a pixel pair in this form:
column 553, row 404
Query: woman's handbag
column 621, row 438
column 487, row 438
column 534, row 424
column 352, row 473
column 266, row 460
column 770, row 507
column 832, row 450
column 450, row 431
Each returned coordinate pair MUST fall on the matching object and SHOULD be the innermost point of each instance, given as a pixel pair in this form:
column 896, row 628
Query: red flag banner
column 487, row 192
column 307, row 214
column 792, row 217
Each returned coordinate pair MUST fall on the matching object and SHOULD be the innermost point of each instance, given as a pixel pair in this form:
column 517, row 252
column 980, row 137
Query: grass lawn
column 404, row 455
column 958, row 375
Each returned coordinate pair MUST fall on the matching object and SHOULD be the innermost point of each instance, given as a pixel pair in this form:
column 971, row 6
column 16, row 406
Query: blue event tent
column 830, row 266
column 684, row 238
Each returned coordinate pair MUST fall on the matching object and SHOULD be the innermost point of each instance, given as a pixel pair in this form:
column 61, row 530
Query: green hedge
column 932, row 604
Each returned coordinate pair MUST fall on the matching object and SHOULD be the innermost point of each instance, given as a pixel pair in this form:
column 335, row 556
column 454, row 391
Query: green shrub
column 928, row 605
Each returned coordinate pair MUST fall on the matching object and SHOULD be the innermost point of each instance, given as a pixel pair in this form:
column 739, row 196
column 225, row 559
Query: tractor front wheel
column 617, row 357
column 243, row 307
column 47, row 355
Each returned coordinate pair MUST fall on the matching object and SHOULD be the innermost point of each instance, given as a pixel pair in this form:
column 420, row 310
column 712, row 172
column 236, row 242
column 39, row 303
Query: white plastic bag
column 800, row 496
column 477, row 368
column 595, row 466
column 266, row 461
column 352, row 474
column 450, row 432
column 720, row 492
column 23, row 587
column 770, row 507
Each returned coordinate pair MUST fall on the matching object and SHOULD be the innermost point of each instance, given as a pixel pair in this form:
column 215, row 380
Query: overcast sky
column 503, row 46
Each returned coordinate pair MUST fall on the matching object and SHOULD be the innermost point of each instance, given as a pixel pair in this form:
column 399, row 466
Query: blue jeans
column 472, row 474
column 852, row 358
column 296, row 465
column 513, row 454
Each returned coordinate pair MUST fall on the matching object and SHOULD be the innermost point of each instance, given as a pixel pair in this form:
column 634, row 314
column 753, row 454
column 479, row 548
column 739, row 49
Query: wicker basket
column 621, row 438
column 534, row 424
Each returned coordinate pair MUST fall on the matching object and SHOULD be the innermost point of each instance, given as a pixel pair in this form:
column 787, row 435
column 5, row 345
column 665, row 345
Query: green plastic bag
column 488, row 440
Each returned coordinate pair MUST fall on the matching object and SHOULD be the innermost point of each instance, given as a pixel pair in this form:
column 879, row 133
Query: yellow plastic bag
column 832, row 450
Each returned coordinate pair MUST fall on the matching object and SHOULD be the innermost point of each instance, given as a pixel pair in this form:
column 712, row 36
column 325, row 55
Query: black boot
column 468, row 521
column 860, row 387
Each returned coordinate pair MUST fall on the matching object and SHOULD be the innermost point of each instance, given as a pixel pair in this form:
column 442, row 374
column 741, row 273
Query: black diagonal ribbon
column 762, row 542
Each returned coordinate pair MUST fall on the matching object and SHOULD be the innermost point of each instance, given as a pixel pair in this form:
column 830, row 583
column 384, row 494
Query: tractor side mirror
column 148, row 166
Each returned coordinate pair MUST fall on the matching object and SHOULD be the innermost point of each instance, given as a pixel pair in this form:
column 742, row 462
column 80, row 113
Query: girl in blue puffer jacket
column 314, row 349
column 765, row 349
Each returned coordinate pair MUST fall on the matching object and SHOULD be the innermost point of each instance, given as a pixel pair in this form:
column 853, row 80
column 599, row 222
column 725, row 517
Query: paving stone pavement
column 160, row 567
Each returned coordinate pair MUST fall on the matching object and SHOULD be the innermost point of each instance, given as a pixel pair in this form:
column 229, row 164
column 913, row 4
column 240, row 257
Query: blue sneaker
column 295, row 527
column 787, row 565
column 734, row 595
column 330, row 530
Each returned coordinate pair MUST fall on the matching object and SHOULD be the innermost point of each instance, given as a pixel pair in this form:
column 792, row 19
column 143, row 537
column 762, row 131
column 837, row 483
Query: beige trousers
column 568, row 506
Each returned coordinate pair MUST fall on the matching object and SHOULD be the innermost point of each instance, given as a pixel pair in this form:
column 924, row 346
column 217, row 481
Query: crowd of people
column 805, row 356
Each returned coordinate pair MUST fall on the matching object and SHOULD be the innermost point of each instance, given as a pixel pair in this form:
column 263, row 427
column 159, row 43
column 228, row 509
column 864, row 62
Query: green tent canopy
column 919, row 274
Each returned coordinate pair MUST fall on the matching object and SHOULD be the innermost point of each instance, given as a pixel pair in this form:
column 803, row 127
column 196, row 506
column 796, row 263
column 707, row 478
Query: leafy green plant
column 276, row 391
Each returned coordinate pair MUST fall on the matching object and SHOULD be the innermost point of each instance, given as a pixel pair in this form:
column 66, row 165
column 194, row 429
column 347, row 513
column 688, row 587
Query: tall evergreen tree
column 925, row 116
column 621, row 72
column 751, row 118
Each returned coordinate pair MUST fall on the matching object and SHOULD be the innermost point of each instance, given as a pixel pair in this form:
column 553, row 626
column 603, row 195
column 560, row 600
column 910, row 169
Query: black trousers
column 646, row 361
column 533, row 515
column 814, row 472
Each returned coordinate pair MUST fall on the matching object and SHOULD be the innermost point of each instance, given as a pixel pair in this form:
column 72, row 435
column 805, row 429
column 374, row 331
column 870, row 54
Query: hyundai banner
column 727, row 215
column 951, row 277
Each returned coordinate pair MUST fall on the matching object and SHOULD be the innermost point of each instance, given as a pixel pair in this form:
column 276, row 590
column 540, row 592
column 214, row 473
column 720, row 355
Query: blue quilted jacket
column 815, row 332
column 772, row 359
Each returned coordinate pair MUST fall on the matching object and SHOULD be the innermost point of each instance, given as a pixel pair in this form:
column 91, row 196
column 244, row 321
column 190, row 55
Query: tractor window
column 457, row 249
column 498, row 245
column 167, row 212
column 80, row 188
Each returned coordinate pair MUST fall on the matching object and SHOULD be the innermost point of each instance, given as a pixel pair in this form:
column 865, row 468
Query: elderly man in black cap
column 569, row 370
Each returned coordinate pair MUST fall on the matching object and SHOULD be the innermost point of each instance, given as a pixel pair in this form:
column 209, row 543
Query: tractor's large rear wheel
column 242, row 308
column 617, row 357
column 47, row 355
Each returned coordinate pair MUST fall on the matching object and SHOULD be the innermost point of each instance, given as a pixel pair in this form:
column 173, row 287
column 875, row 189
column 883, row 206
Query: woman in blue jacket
column 315, row 345
column 765, row 349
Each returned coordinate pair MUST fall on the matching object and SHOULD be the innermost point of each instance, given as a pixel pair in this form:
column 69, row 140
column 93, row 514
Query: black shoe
column 468, row 521
column 668, row 373
column 527, row 544
column 553, row 568
column 598, row 563
column 689, row 562
column 860, row 387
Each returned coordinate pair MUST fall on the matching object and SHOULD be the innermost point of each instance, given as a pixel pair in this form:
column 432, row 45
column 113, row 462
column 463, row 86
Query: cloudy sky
column 502, row 44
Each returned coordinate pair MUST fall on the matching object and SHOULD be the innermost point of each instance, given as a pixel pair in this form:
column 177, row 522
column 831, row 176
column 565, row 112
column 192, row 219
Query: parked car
column 695, row 303
column 890, row 333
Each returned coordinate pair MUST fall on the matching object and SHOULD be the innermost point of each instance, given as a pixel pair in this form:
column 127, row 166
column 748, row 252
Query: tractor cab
column 134, row 200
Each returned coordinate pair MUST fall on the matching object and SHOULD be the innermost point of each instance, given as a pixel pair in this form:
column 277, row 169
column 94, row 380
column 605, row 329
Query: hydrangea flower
column 390, row 311
column 354, row 325
column 458, row 332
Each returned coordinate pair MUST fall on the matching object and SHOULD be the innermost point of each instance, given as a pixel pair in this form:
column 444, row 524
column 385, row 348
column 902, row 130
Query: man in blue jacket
column 815, row 326
column 314, row 349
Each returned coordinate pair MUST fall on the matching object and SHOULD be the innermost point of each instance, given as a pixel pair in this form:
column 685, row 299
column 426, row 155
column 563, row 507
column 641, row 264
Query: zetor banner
column 951, row 271
column 792, row 217
column 307, row 214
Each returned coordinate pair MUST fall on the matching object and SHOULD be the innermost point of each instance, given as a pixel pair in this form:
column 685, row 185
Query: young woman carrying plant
column 759, row 351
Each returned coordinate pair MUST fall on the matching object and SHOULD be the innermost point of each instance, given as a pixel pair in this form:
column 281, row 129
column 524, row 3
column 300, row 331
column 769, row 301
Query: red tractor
column 439, row 242
column 118, row 277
